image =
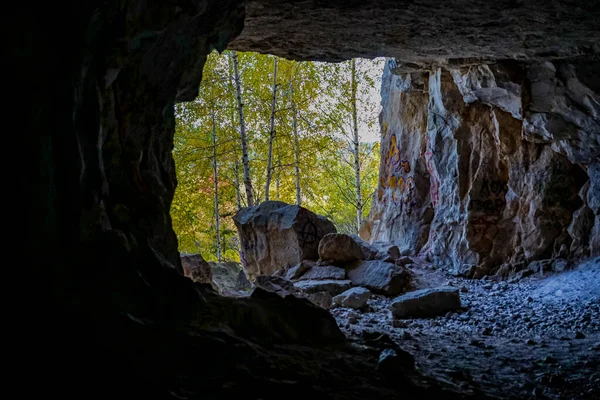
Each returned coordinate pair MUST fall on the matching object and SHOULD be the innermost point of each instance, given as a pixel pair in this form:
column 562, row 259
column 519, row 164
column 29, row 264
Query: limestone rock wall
column 487, row 167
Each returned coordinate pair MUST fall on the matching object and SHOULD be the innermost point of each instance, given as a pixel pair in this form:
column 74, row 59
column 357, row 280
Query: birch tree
column 271, row 131
column 356, row 148
column 216, row 182
column 243, row 137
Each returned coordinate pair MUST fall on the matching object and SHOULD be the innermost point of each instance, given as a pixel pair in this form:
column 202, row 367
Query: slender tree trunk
column 296, row 145
column 236, row 169
column 216, row 180
column 238, row 195
column 278, row 178
column 272, row 131
column 245, row 162
column 356, row 148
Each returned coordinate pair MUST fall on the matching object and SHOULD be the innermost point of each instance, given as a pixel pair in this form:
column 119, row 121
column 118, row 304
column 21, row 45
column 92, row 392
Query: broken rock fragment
column 426, row 303
column 355, row 297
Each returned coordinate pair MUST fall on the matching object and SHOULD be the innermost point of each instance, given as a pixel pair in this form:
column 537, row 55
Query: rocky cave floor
column 537, row 337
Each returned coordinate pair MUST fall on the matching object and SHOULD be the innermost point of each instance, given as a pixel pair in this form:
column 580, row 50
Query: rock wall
column 486, row 167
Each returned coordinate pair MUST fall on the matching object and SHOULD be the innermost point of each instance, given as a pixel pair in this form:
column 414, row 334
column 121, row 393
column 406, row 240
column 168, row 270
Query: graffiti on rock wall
column 490, row 199
column 396, row 178
column 487, row 205
column 308, row 234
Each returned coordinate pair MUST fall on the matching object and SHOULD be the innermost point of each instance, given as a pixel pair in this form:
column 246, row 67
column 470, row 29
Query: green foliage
column 320, row 94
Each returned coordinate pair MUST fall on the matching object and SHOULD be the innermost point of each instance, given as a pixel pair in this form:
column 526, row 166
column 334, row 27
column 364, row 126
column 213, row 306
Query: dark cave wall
column 103, row 125
column 97, row 83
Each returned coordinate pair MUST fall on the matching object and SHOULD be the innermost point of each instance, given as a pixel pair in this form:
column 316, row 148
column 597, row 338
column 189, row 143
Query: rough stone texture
column 333, row 287
column 275, row 235
column 275, row 284
column 388, row 252
column 426, row 303
column 420, row 31
column 321, row 299
column 339, row 248
column 322, row 273
column 196, row 268
column 477, row 168
column 355, row 297
column 593, row 201
column 380, row 277
column 229, row 277
column 297, row 270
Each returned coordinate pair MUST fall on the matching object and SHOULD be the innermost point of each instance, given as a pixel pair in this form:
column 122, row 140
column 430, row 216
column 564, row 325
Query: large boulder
column 339, row 248
column 229, row 277
column 380, row 277
column 275, row 235
column 426, row 303
column 355, row 297
column 333, row 287
column 196, row 268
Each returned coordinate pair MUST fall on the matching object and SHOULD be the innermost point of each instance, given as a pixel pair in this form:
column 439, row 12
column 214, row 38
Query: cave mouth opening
column 262, row 118
column 465, row 322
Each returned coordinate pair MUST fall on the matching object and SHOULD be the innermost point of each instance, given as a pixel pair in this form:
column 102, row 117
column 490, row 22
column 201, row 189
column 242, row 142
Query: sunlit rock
column 275, row 235
column 339, row 248
column 196, row 268
column 229, row 277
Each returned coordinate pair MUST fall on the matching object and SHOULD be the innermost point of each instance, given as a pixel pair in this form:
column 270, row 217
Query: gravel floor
column 538, row 337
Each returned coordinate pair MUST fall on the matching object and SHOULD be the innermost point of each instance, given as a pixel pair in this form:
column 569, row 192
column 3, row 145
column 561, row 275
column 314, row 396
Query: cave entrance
column 262, row 118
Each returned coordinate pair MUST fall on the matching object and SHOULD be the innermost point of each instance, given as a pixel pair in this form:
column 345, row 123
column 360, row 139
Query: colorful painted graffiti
column 396, row 175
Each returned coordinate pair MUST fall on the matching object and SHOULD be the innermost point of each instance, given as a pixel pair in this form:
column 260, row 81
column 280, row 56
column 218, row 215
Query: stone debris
column 426, row 303
column 355, row 297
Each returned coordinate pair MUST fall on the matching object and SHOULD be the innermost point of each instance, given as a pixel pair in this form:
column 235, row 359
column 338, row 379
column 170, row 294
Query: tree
column 298, row 123
column 216, row 180
column 243, row 138
column 296, row 146
column 356, row 149
column 271, row 131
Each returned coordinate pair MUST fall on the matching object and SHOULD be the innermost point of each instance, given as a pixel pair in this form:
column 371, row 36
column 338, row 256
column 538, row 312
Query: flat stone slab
column 355, row 297
column 323, row 273
column 333, row 287
column 426, row 303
